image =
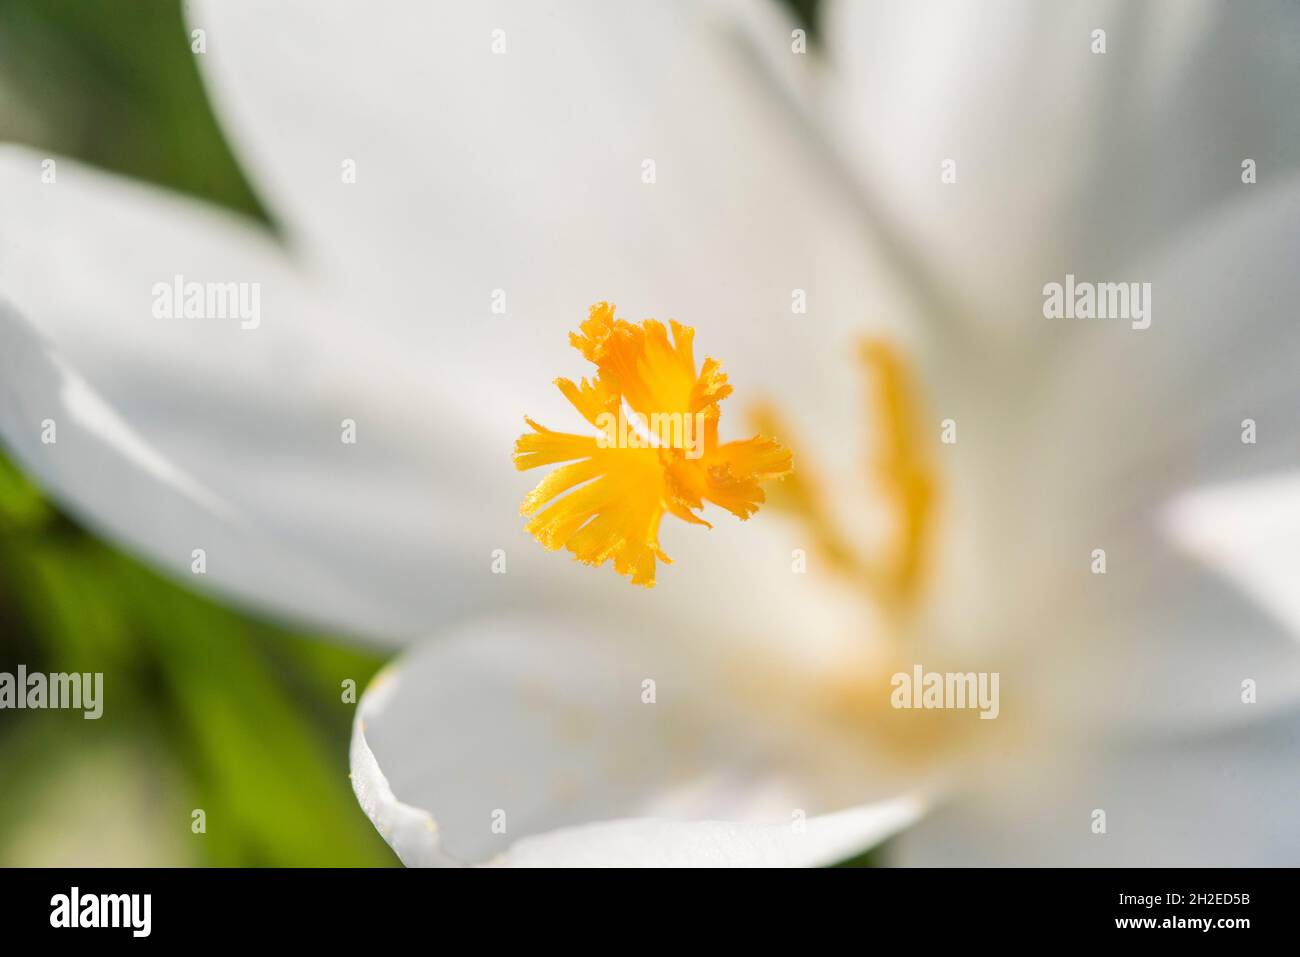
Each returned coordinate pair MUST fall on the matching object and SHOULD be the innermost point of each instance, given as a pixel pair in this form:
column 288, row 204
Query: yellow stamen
column 618, row 491
column 902, row 475
column 900, row 465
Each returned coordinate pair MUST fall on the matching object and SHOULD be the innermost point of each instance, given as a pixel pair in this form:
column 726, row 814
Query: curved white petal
column 1117, row 425
column 1167, row 404
column 1223, row 348
column 526, row 743
column 823, row 840
column 82, row 452
column 1250, row 532
column 1066, row 160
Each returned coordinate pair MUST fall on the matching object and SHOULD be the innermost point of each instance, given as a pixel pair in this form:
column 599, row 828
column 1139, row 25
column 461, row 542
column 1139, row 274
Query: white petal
column 542, row 730
column 1250, row 533
column 109, row 474
column 1067, row 160
column 1223, row 347
column 1166, row 405
column 1120, row 424
column 824, row 840
column 522, row 172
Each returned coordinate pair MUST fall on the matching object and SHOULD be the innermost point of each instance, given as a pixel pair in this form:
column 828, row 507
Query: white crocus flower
column 430, row 166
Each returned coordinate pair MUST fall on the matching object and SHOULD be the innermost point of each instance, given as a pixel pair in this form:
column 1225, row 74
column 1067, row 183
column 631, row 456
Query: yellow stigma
column 655, row 449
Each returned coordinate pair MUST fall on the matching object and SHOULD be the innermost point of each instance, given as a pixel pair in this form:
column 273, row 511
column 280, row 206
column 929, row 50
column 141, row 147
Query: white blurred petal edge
column 109, row 476
column 1248, row 531
column 419, row 836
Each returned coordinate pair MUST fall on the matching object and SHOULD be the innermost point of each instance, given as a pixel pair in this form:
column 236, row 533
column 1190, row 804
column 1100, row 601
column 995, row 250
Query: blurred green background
column 206, row 707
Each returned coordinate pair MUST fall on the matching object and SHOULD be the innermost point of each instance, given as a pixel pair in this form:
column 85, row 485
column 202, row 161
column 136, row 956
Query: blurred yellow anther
column 655, row 448
column 902, row 478
column 901, row 468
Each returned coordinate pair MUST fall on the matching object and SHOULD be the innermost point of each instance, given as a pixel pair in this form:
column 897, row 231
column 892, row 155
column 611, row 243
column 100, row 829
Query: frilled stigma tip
column 654, row 448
